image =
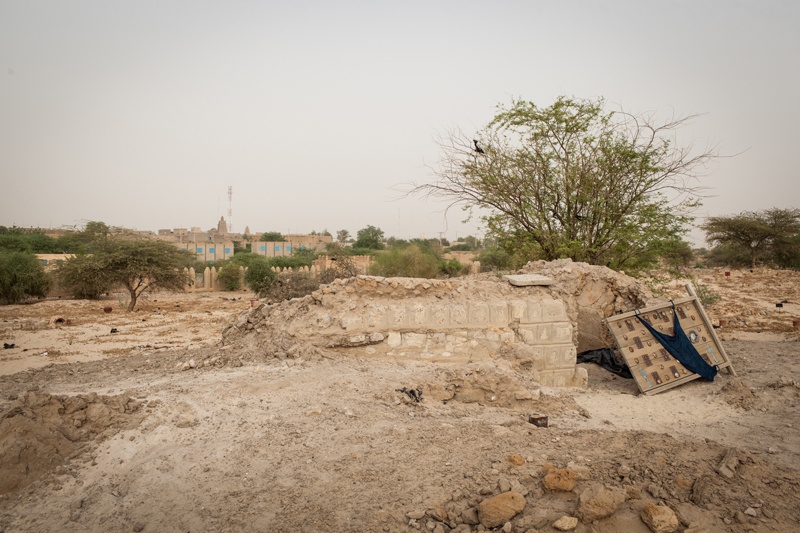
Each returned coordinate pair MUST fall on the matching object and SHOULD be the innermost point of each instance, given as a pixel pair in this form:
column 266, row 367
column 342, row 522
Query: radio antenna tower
column 230, row 208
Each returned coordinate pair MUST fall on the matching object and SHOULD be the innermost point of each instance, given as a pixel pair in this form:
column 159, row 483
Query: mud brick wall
column 439, row 320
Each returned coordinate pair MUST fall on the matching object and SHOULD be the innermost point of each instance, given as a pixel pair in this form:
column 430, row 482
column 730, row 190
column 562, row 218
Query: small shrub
column 495, row 259
column 452, row 267
column 230, row 277
column 706, row 296
column 260, row 277
column 410, row 261
column 291, row 284
column 21, row 276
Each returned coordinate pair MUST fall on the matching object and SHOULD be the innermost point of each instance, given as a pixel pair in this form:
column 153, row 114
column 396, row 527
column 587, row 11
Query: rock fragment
column 563, row 479
column 497, row 510
column 566, row 523
column 597, row 502
column 659, row 518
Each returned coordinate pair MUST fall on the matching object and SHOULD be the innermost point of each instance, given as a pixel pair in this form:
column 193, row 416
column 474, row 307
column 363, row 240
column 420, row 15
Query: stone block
column 580, row 378
column 534, row 313
column 439, row 316
column 528, row 335
column 553, row 311
column 396, row 316
column 478, row 315
column 508, row 337
column 498, row 314
column 517, row 309
column 559, row 356
column 417, row 315
column 394, row 339
column 528, row 280
column 458, row 315
column 559, row 377
column 414, row 340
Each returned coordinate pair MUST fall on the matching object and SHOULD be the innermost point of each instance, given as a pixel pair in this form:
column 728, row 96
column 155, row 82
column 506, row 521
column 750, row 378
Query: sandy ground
column 106, row 432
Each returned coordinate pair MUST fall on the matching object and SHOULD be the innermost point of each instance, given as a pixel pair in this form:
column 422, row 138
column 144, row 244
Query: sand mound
column 39, row 431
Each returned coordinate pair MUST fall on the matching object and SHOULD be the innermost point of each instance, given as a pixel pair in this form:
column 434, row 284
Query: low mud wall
column 441, row 320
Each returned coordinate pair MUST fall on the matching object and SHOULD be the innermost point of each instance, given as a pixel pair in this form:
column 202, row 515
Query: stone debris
column 659, row 518
column 727, row 466
column 497, row 510
column 562, row 479
column 597, row 502
column 566, row 523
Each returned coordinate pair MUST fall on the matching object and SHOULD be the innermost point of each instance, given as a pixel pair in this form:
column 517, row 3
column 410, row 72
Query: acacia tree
column 773, row 231
column 138, row 265
column 572, row 180
column 370, row 238
column 145, row 265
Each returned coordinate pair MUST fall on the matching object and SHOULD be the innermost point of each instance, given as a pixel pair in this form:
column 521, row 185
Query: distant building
column 217, row 244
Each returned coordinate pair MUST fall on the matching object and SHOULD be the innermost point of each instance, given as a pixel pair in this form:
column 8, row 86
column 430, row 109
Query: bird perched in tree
column 478, row 148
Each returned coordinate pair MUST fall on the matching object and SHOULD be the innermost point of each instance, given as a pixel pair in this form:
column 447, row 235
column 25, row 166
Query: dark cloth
column 605, row 358
column 681, row 348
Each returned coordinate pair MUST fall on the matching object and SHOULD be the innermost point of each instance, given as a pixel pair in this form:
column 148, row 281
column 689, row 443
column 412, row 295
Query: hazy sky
column 142, row 113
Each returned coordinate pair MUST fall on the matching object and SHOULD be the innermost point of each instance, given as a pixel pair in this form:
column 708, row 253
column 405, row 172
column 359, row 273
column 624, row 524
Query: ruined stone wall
column 440, row 320
column 592, row 293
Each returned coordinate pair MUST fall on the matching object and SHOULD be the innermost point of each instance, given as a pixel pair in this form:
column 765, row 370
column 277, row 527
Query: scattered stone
column 566, row 523
column 660, row 518
column 416, row 514
column 563, row 479
column 727, row 467
column 138, row 526
column 701, row 491
column 516, row 459
column 597, row 502
column 582, row 471
column 470, row 516
column 750, row 512
column 498, row 510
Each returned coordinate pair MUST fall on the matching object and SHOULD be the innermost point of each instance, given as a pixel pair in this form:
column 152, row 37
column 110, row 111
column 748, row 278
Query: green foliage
column 140, row 266
column 370, row 238
column 230, row 277
column 342, row 235
column 495, row 259
column 676, row 254
column 272, row 236
column 765, row 236
column 21, row 276
column 451, row 267
column 410, row 261
column 30, row 242
column 245, row 259
column 361, row 251
column 572, row 180
column 706, row 296
column 84, row 276
column 306, row 255
column 290, row 261
column 259, row 276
